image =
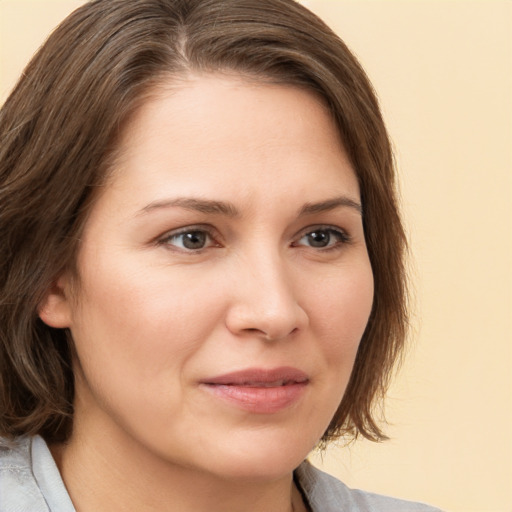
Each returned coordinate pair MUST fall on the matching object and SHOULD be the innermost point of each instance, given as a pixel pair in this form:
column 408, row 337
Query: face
column 224, row 281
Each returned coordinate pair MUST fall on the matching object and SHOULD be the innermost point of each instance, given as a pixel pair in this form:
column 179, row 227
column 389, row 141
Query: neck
column 104, row 476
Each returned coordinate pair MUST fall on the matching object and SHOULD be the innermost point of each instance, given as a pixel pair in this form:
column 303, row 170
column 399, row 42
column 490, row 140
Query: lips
column 260, row 377
column 259, row 390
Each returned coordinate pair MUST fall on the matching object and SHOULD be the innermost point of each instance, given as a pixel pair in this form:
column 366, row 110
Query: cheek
column 141, row 324
column 343, row 306
column 343, row 312
column 136, row 338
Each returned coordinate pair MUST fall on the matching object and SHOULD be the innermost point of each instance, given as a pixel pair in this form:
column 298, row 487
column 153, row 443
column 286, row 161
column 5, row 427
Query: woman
column 202, row 262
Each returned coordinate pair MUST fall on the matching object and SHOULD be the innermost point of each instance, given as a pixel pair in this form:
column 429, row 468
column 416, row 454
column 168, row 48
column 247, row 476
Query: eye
column 189, row 239
column 323, row 238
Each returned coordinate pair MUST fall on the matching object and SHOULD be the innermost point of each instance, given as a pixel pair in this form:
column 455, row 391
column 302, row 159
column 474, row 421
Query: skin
column 152, row 319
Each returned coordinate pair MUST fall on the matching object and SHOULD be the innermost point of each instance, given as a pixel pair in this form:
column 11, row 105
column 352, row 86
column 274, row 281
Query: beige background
column 443, row 71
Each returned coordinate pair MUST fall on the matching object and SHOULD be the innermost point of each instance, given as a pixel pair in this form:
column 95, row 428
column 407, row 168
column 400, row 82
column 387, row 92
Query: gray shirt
column 31, row 482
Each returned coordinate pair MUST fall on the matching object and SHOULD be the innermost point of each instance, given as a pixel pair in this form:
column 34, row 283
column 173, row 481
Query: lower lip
column 259, row 400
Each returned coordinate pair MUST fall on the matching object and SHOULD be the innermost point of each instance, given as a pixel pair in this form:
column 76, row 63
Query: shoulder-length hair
column 58, row 132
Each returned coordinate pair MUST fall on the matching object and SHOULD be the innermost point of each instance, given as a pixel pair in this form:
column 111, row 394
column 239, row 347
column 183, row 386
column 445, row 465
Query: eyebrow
column 199, row 205
column 330, row 204
column 212, row 207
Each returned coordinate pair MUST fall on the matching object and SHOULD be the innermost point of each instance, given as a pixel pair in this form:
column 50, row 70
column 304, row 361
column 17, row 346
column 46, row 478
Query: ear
column 55, row 309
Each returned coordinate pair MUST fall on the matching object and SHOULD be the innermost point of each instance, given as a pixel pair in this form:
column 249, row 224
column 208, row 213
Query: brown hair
column 59, row 128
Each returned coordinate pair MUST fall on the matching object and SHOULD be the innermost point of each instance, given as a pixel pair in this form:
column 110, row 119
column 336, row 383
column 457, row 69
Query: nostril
column 270, row 336
column 271, row 317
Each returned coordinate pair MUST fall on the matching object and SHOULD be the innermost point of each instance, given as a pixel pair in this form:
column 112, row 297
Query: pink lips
column 259, row 390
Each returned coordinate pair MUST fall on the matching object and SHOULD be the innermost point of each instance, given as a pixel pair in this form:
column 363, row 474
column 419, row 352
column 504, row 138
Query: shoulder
column 327, row 494
column 18, row 487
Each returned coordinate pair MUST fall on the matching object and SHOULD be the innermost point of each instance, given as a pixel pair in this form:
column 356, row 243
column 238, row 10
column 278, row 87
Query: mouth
column 256, row 390
column 260, row 377
column 259, row 384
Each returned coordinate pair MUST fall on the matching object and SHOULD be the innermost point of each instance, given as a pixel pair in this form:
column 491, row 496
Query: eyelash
column 341, row 236
column 166, row 239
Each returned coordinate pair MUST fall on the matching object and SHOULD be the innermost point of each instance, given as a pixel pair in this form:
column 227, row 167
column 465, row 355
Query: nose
column 265, row 301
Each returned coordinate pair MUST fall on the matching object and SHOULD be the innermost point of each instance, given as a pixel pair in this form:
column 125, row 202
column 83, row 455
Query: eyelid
column 214, row 236
column 343, row 234
column 209, row 230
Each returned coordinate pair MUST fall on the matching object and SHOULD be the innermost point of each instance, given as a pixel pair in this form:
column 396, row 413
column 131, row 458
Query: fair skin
column 229, row 239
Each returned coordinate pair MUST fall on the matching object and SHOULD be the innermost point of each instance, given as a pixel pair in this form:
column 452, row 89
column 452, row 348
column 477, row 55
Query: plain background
column 443, row 72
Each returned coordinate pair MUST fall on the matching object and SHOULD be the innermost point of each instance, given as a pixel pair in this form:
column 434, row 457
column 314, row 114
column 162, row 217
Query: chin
column 263, row 458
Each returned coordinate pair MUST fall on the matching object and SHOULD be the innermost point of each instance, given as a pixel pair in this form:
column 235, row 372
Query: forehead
column 218, row 134
column 199, row 102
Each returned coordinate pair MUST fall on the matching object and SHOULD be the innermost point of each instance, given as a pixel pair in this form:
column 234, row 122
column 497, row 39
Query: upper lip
column 260, row 377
